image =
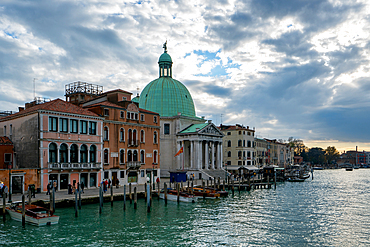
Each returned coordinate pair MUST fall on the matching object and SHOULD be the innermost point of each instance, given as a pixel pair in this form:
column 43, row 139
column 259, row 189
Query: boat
column 183, row 196
column 305, row 175
column 207, row 193
column 295, row 179
column 34, row 215
column 349, row 168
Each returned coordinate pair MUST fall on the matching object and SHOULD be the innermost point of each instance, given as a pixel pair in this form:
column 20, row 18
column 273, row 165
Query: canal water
column 330, row 210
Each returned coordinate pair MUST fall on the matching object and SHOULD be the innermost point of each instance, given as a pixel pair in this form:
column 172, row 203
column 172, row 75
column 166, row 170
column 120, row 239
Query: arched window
column 142, row 155
column 63, row 153
column 142, row 136
column 83, row 153
column 239, row 143
column 229, row 154
column 106, row 133
column 249, row 144
column 73, row 156
column 122, row 156
column 135, row 155
column 106, row 156
column 155, row 137
column 155, row 157
column 129, row 136
column 229, row 143
column 240, row 154
column 134, row 136
column 53, row 152
column 93, row 154
column 129, row 155
column 122, row 135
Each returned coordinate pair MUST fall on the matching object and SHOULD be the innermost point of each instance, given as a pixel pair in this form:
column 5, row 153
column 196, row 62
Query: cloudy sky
column 296, row 68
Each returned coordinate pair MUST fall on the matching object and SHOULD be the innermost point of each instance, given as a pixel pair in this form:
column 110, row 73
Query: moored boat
column 34, row 215
column 295, row 179
column 183, row 197
column 207, row 193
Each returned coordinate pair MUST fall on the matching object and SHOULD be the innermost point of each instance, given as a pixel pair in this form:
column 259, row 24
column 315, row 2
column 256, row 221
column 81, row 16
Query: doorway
column 64, row 181
column 17, row 184
column 83, row 178
column 114, row 178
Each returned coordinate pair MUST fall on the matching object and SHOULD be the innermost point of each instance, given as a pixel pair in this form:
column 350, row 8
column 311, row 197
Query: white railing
column 67, row 166
column 134, row 164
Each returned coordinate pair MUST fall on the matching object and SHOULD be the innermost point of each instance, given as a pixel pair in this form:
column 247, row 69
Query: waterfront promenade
column 92, row 195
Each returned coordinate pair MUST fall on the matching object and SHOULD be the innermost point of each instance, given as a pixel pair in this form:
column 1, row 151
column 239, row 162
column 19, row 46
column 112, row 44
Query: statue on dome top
column 165, row 47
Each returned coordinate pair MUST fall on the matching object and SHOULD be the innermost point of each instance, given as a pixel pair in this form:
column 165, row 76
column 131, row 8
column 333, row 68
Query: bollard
column 51, row 203
column 4, row 204
column 204, row 190
column 53, row 199
column 135, row 198
column 29, row 196
column 165, row 193
column 232, row 185
column 178, row 192
column 124, row 197
column 148, row 197
column 79, row 199
column 100, row 199
column 129, row 192
column 159, row 191
column 76, row 212
column 111, row 196
column 23, row 211
column 145, row 190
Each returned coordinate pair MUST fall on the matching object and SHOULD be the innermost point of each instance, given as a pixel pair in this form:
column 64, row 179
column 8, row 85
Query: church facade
column 188, row 143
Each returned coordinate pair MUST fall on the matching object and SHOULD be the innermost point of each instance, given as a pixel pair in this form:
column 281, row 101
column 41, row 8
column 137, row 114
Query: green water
column 331, row 210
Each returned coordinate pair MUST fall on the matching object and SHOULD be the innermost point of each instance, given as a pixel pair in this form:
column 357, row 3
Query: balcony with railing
column 71, row 166
column 134, row 164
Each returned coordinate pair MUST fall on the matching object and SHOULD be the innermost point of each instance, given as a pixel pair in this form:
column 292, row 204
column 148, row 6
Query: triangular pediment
column 211, row 129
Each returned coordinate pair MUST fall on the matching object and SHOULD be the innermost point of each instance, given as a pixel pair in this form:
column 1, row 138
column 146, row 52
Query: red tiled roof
column 57, row 105
column 117, row 90
column 5, row 141
column 104, row 103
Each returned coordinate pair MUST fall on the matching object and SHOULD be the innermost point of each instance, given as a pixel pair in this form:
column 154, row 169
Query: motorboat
column 183, row 196
column 206, row 193
column 34, row 215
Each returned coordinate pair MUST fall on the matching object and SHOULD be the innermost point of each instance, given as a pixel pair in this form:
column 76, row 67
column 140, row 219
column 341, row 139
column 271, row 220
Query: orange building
column 6, row 153
column 63, row 142
column 130, row 134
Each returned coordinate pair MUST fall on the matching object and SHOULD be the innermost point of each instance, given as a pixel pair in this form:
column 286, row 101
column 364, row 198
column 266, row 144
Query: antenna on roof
column 34, row 88
column 221, row 117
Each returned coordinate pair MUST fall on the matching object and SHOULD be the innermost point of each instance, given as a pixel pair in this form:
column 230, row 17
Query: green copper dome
column 167, row 97
column 165, row 57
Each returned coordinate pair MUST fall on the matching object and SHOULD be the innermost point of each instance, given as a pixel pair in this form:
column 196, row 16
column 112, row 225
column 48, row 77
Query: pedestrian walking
column 48, row 187
column 82, row 187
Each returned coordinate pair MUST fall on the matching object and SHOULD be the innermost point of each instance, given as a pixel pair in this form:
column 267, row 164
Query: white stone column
column 221, row 155
column 213, row 155
column 200, row 153
column 192, row 154
column 206, row 156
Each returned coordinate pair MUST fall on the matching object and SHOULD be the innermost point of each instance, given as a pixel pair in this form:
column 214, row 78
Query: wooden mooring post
column 268, row 181
column 159, row 189
column 129, row 192
column 204, row 191
column 178, row 192
column 135, row 198
column 79, row 199
column 100, row 198
column 51, row 202
column 124, row 197
column 111, row 195
column 165, row 193
column 4, row 205
column 29, row 195
column 53, row 199
column 148, row 197
column 232, row 185
column 76, row 211
column 23, row 211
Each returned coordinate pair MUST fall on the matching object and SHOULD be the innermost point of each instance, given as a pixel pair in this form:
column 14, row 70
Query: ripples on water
column 331, row 210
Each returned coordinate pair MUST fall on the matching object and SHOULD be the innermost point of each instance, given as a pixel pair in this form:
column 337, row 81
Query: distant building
column 262, row 152
column 6, row 152
column 239, row 146
column 280, row 154
column 62, row 141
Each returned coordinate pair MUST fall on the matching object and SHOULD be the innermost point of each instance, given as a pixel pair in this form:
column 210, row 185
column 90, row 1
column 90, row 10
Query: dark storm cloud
column 209, row 88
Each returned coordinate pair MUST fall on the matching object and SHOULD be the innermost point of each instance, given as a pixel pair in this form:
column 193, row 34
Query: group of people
column 3, row 189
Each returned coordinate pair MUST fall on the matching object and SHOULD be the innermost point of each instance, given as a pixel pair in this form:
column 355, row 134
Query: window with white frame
column 53, row 124
column 63, row 124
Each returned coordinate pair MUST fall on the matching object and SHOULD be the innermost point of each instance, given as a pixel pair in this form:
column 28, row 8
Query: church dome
column 165, row 95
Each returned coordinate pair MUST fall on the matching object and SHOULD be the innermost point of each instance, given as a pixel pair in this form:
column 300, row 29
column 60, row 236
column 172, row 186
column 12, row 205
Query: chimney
column 209, row 121
column 20, row 109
